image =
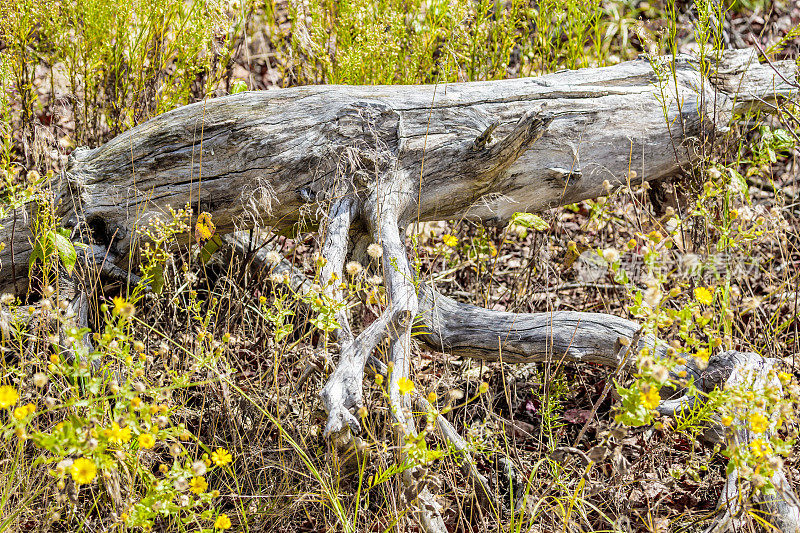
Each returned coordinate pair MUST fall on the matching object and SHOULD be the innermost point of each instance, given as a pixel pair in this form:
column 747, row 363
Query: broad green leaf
column 37, row 253
column 238, row 86
column 738, row 184
column 156, row 279
column 65, row 249
column 209, row 248
column 529, row 220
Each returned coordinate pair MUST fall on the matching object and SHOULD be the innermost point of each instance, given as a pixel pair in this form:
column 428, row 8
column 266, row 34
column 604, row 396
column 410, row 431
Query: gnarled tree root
column 470, row 331
column 242, row 243
column 573, row 336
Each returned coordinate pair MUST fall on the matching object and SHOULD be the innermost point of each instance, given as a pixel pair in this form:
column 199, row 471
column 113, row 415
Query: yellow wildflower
column 760, row 448
column 726, row 420
column 146, row 440
column 450, row 240
column 122, row 307
column 204, row 228
column 23, row 411
column 758, row 422
column 221, row 457
column 703, row 295
column 405, row 385
column 83, row 471
column 198, row 485
column 8, row 396
column 117, row 435
column 222, row 522
column 651, row 398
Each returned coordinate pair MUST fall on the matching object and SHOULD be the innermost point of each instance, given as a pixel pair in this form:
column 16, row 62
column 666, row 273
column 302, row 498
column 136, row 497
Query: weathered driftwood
column 376, row 158
column 471, row 149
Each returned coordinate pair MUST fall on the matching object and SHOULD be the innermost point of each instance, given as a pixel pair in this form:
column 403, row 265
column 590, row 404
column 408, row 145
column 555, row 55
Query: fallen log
column 489, row 148
column 366, row 161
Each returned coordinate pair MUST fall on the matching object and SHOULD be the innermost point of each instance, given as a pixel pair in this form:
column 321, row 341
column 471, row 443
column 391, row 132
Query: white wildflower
column 273, row 257
column 652, row 296
column 353, row 268
column 611, row 255
column 40, row 379
column 660, row 373
column 198, row 468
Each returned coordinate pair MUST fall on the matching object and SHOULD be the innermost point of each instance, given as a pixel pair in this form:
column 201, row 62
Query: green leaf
column 65, row 249
column 783, row 139
column 37, row 253
column 210, row 248
column 238, row 86
column 738, row 184
column 529, row 220
column 156, row 273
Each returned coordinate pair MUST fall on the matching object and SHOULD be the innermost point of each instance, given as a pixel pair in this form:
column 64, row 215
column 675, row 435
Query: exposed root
column 240, row 242
column 566, row 336
column 334, row 251
column 752, row 372
column 569, row 336
column 343, row 391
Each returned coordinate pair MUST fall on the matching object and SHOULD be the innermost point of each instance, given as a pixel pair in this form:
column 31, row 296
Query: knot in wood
column 402, row 319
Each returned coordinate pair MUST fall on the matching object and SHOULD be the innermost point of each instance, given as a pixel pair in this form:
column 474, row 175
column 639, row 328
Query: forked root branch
column 571, row 336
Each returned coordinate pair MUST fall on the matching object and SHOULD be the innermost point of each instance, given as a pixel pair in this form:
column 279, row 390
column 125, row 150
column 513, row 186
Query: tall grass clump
column 106, row 66
column 401, row 42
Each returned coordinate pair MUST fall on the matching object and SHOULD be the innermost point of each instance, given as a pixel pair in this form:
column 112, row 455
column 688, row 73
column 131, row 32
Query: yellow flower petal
column 758, row 422
column 83, row 471
column 146, row 440
column 651, row 398
column 450, row 240
column 405, row 385
column 204, row 228
column 703, row 295
column 221, row 457
column 222, row 522
column 198, row 485
column 8, row 396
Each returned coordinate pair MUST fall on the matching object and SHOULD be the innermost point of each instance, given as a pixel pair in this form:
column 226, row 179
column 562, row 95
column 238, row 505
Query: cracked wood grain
column 261, row 157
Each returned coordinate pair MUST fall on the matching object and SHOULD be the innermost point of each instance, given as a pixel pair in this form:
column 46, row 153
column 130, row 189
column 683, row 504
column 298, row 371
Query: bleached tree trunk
column 483, row 150
column 366, row 161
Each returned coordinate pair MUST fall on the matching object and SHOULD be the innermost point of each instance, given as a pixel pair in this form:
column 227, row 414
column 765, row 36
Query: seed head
column 354, row 268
